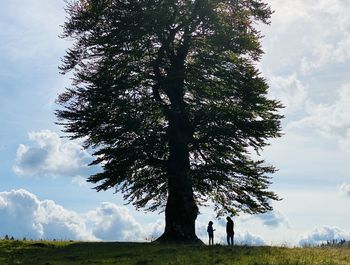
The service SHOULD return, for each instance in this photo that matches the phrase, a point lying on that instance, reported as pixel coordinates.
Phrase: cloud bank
(273, 219)
(330, 120)
(289, 90)
(321, 235)
(24, 215)
(48, 155)
(314, 34)
(306, 62)
(113, 222)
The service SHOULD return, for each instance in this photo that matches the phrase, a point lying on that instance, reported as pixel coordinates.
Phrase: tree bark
(181, 210)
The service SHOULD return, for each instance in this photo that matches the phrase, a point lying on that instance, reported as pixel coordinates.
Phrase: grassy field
(83, 253)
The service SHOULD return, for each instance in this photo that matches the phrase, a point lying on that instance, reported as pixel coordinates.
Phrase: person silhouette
(230, 231)
(210, 231)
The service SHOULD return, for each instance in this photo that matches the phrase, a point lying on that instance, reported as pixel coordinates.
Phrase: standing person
(230, 231)
(210, 231)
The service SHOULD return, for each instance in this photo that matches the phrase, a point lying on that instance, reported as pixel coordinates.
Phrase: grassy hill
(98, 253)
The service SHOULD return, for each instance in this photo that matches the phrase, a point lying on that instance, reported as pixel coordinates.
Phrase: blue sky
(42, 189)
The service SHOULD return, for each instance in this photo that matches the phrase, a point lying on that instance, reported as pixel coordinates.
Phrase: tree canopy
(168, 94)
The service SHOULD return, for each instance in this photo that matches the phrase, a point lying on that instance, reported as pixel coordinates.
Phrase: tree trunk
(181, 210)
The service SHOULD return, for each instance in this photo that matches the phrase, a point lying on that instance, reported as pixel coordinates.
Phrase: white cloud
(58, 222)
(154, 230)
(289, 90)
(113, 222)
(324, 54)
(308, 35)
(17, 211)
(273, 219)
(283, 43)
(49, 155)
(323, 234)
(24, 215)
(330, 38)
(329, 120)
(345, 188)
(249, 239)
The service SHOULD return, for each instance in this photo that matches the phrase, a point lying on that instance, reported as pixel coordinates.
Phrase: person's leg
(228, 239)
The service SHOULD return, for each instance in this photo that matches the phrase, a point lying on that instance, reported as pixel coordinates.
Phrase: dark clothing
(229, 227)
(230, 231)
(230, 240)
(210, 230)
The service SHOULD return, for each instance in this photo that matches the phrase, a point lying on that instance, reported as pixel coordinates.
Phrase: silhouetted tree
(168, 95)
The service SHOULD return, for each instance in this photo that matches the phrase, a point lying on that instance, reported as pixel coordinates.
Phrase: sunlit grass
(103, 253)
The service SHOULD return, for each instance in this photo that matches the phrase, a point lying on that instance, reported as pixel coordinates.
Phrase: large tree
(168, 94)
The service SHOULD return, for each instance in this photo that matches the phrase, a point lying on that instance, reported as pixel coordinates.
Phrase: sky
(43, 192)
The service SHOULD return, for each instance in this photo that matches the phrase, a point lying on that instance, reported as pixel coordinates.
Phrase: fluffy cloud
(323, 234)
(306, 59)
(274, 219)
(48, 155)
(249, 239)
(345, 188)
(112, 222)
(330, 42)
(24, 215)
(289, 90)
(17, 211)
(58, 222)
(316, 32)
(330, 120)
(154, 230)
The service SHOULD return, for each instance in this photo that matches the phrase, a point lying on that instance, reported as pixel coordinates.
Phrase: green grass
(83, 253)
